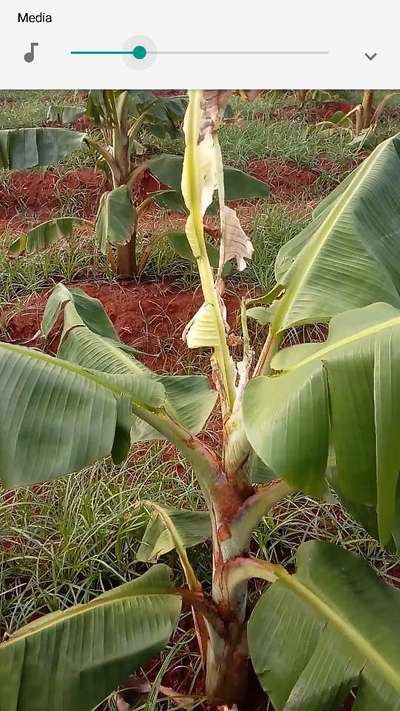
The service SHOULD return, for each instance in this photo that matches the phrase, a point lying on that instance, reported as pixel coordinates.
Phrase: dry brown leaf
(251, 94)
(212, 111)
(182, 700)
(235, 244)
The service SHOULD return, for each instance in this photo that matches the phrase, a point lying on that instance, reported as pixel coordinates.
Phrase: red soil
(327, 165)
(84, 123)
(328, 108)
(149, 316)
(35, 196)
(284, 178)
(31, 197)
(28, 192)
(146, 184)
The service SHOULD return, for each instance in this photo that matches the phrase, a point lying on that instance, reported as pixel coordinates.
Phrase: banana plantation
(200, 400)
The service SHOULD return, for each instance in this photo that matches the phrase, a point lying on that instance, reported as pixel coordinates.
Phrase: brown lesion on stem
(226, 675)
(205, 606)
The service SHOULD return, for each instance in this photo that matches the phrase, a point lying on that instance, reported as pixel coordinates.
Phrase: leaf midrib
(331, 218)
(72, 368)
(73, 613)
(370, 331)
(343, 625)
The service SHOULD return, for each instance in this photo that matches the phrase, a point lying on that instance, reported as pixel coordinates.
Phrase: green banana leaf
(22, 148)
(193, 528)
(90, 310)
(58, 417)
(116, 218)
(74, 658)
(65, 113)
(343, 393)
(349, 256)
(42, 236)
(180, 243)
(164, 115)
(168, 170)
(189, 399)
(331, 627)
(61, 414)
(170, 200)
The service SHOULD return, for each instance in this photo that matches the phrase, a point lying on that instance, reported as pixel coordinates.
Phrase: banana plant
(362, 120)
(120, 119)
(297, 418)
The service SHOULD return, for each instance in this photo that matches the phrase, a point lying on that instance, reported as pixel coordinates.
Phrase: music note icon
(30, 56)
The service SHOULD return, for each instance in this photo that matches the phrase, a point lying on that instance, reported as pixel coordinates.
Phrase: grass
(28, 108)
(270, 230)
(301, 519)
(283, 140)
(25, 109)
(249, 138)
(65, 542)
(21, 276)
(287, 140)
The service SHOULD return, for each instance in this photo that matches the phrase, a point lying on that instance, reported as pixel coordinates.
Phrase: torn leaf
(201, 331)
(235, 244)
(213, 105)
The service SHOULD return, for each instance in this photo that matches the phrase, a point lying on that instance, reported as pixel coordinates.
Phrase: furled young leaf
(202, 176)
(193, 527)
(22, 148)
(116, 218)
(329, 628)
(42, 236)
(74, 658)
(342, 393)
(349, 255)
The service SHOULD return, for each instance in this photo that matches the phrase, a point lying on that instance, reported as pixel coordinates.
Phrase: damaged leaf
(201, 331)
(235, 244)
(213, 105)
